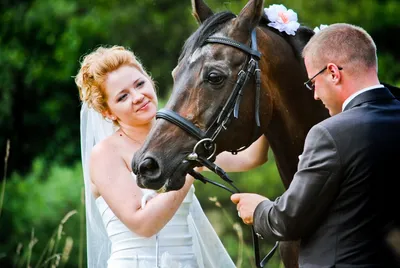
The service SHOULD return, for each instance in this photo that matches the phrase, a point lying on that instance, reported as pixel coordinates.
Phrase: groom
(342, 202)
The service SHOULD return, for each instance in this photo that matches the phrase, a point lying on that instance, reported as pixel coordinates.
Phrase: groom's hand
(246, 205)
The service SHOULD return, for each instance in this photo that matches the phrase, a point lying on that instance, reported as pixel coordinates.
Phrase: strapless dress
(172, 247)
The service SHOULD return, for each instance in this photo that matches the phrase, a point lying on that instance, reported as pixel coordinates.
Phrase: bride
(128, 226)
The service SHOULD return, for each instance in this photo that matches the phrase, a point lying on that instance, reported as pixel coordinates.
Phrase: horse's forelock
(210, 26)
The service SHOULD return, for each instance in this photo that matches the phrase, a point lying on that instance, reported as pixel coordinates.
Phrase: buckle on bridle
(208, 144)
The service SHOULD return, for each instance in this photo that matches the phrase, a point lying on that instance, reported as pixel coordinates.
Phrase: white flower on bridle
(319, 28)
(282, 19)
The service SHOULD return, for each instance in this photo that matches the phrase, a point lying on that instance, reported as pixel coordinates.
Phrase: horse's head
(203, 81)
(213, 106)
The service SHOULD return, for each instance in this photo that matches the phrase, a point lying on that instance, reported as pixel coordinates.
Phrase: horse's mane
(215, 22)
(297, 41)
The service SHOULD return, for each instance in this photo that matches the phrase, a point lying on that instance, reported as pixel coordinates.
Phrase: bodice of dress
(171, 247)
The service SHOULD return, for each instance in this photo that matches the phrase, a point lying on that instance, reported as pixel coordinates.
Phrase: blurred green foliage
(41, 43)
(37, 202)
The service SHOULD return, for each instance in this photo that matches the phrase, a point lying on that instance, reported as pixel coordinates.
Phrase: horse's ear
(250, 15)
(201, 11)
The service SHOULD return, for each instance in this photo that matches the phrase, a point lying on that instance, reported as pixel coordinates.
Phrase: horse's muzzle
(148, 172)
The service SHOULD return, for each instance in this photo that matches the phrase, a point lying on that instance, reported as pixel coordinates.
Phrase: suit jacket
(343, 200)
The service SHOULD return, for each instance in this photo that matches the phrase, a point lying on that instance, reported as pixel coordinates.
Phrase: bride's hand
(189, 179)
(199, 169)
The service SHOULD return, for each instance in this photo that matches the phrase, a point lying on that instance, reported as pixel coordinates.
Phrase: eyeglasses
(310, 84)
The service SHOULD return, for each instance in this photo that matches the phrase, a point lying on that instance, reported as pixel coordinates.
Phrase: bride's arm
(252, 157)
(115, 184)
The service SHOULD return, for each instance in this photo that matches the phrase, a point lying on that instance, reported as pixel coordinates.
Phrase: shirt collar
(355, 94)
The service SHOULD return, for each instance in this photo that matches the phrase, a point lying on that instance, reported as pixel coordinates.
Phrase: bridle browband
(207, 138)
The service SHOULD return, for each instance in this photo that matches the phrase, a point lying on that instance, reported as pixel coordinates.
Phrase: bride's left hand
(199, 169)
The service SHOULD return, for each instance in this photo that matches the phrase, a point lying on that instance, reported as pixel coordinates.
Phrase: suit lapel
(370, 95)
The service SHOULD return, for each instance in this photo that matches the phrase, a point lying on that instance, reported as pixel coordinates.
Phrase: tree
(42, 42)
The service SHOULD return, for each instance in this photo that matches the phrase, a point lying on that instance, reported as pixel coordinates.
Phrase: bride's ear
(108, 115)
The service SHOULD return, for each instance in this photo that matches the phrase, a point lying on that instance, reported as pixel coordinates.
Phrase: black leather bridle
(207, 138)
(233, 102)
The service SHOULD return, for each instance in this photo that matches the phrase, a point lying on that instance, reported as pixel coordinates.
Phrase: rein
(222, 174)
(206, 139)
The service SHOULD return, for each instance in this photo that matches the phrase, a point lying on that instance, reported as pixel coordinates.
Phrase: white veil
(94, 128)
(206, 244)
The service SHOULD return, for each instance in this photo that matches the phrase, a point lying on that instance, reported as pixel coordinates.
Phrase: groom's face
(324, 89)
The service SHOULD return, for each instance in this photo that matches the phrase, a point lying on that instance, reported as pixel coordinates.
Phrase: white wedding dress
(187, 241)
(172, 247)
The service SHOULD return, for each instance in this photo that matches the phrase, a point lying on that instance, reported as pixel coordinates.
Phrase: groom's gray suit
(343, 200)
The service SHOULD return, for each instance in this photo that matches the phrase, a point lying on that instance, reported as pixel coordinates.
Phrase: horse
(282, 108)
(203, 80)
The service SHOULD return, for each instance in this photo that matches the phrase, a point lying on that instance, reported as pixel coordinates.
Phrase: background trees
(41, 43)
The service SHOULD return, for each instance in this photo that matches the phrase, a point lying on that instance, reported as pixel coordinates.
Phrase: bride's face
(131, 97)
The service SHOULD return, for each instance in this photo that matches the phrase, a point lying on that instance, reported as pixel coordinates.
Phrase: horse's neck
(294, 111)
(286, 148)
(287, 130)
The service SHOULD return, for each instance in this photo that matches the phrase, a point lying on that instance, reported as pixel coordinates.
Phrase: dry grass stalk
(52, 246)
(3, 184)
(82, 232)
(239, 231)
(50, 254)
(69, 242)
(55, 257)
(31, 244)
(18, 251)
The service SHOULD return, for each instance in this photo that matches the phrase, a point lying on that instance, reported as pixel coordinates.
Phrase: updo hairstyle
(94, 70)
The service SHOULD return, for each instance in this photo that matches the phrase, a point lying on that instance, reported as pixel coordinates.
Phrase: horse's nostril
(147, 166)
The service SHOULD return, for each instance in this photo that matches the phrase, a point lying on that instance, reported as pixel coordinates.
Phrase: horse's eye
(215, 78)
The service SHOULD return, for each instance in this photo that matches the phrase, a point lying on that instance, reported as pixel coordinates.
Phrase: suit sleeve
(315, 185)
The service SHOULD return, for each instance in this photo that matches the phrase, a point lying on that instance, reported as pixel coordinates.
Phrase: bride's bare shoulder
(112, 147)
(105, 146)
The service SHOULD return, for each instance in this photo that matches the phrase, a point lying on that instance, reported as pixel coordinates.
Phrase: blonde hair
(94, 69)
(343, 44)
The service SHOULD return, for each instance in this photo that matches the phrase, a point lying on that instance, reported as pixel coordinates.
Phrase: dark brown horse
(208, 71)
(203, 82)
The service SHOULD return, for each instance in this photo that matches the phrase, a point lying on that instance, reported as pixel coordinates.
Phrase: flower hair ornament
(319, 28)
(282, 19)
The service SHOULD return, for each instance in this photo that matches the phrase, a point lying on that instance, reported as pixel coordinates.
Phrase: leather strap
(182, 122)
(233, 43)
